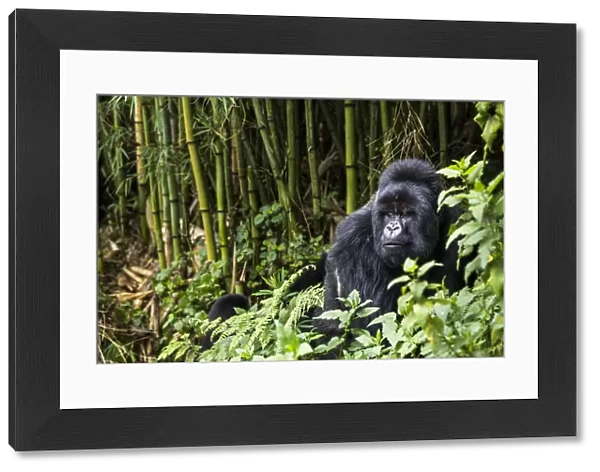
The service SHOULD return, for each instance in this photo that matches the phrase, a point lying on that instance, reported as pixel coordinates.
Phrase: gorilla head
(404, 212)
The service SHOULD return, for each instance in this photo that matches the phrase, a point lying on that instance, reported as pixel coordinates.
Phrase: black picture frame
(36, 420)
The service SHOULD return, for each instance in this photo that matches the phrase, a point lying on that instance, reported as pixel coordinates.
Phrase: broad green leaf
(474, 173)
(331, 315)
(365, 341)
(422, 311)
(373, 351)
(304, 349)
(426, 267)
(406, 349)
(448, 192)
(494, 183)
(417, 288)
(383, 319)
(464, 229)
(450, 173)
(400, 280)
(410, 265)
(442, 309)
(364, 312)
(478, 211)
(464, 298)
(354, 298)
(475, 237)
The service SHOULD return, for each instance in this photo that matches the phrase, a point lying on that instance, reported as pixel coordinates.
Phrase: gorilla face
(405, 222)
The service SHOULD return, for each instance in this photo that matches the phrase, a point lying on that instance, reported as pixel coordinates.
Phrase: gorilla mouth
(394, 244)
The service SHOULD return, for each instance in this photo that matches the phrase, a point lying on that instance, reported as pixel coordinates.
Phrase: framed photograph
(239, 230)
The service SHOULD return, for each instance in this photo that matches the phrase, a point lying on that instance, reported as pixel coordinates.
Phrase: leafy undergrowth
(429, 323)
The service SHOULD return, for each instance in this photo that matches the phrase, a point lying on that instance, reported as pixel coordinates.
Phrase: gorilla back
(400, 221)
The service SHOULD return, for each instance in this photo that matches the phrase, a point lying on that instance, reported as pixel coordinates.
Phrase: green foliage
(186, 304)
(276, 252)
(271, 329)
(490, 117)
(430, 322)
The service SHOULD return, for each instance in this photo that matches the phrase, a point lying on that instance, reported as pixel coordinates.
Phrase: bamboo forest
(238, 199)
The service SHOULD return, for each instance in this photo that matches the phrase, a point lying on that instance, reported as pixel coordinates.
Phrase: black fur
(372, 243)
(311, 276)
(224, 308)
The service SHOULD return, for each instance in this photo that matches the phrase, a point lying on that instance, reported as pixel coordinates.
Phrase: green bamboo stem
(351, 173)
(273, 160)
(363, 164)
(140, 174)
(120, 175)
(443, 129)
(228, 172)
(200, 181)
(312, 161)
(160, 246)
(292, 125)
(241, 155)
(173, 119)
(386, 131)
(271, 119)
(423, 114)
(169, 186)
(260, 193)
(154, 197)
(221, 193)
(372, 147)
(297, 140)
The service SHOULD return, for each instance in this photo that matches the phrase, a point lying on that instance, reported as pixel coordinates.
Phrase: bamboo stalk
(312, 161)
(173, 118)
(120, 175)
(292, 125)
(372, 147)
(241, 155)
(272, 158)
(272, 121)
(154, 192)
(221, 193)
(443, 129)
(363, 164)
(386, 131)
(168, 220)
(200, 180)
(351, 174)
(140, 174)
(260, 194)
(228, 172)
(423, 115)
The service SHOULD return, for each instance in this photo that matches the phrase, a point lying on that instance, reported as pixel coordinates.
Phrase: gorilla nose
(393, 230)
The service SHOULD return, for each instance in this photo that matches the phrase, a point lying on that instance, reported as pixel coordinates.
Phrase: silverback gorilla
(401, 220)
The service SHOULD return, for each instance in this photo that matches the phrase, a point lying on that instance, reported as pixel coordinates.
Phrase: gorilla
(400, 221)
(225, 306)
